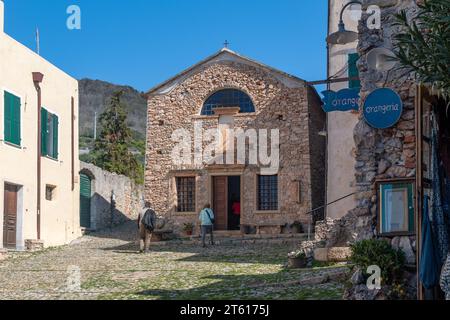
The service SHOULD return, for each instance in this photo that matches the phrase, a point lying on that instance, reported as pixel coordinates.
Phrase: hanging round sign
(383, 108)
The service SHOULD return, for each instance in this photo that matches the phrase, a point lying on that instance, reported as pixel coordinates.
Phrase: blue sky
(144, 42)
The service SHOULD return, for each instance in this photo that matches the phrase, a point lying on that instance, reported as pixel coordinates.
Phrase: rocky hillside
(95, 95)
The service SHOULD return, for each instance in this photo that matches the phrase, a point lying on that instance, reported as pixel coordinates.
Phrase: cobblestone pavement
(110, 268)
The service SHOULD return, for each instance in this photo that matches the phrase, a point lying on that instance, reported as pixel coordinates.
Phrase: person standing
(207, 223)
(146, 226)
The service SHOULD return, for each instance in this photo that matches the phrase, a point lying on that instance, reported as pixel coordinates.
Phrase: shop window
(185, 194)
(12, 119)
(268, 193)
(396, 207)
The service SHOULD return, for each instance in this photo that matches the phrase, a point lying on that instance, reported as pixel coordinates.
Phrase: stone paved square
(111, 268)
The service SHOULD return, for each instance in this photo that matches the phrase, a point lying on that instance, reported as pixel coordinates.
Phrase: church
(238, 135)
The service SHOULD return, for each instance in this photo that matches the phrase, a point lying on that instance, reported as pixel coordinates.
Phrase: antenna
(38, 48)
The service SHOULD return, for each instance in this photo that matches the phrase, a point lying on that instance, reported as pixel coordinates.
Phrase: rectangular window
(50, 192)
(268, 193)
(353, 70)
(396, 207)
(49, 134)
(185, 194)
(12, 119)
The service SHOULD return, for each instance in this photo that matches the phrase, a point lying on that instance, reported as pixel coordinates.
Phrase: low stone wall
(128, 197)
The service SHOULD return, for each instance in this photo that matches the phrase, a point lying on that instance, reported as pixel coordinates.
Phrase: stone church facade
(226, 93)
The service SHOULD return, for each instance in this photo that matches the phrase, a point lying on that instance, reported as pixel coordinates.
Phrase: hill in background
(94, 96)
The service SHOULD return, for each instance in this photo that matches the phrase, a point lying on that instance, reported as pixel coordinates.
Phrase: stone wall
(128, 197)
(380, 154)
(290, 109)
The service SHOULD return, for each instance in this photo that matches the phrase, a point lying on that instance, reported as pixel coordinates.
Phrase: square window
(268, 193)
(50, 192)
(185, 194)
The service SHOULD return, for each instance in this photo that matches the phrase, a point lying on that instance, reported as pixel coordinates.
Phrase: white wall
(59, 218)
(341, 162)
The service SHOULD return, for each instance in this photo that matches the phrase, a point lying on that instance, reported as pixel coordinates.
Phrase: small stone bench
(277, 228)
(161, 235)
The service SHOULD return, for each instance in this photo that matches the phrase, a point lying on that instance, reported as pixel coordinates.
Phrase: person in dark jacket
(146, 226)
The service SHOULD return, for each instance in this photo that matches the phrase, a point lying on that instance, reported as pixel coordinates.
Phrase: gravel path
(107, 266)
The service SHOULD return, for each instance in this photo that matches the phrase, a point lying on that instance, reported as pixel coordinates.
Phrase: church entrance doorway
(227, 202)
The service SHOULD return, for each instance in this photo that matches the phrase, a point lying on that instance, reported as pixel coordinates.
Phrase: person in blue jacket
(207, 223)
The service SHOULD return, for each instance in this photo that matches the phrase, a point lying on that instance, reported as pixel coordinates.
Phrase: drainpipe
(37, 79)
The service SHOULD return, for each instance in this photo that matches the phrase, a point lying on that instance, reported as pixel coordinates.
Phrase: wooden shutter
(8, 117)
(44, 115)
(12, 118)
(85, 201)
(55, 123)
(353, 70)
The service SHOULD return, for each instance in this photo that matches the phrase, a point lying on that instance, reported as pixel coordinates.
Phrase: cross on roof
(226, 44)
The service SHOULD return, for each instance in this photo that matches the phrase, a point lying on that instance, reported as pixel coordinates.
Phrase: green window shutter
(12, 118)
(353, 70)
(44, 115)
(55, 123)
(8, 117)
(15, 123)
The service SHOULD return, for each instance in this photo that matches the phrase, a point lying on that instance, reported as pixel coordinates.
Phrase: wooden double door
(10, 216)
(226, 190)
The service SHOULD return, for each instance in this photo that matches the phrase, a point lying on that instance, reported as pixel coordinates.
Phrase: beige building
(39, 192)
(340, 125)
(226, 93)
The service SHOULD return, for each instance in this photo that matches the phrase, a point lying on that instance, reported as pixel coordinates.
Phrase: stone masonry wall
(277, 106)
(128, 197)
(380, 154)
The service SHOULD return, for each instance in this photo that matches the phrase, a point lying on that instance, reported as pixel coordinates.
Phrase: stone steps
(240, 239)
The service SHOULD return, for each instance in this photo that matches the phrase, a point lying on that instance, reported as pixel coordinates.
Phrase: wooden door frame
(422, 94)
(20, 213)
(237, 173)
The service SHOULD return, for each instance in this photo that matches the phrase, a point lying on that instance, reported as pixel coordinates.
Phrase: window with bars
(185, 194)
(228, 98)
(268, 193)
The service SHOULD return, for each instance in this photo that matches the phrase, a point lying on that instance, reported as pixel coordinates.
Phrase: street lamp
(343, 36)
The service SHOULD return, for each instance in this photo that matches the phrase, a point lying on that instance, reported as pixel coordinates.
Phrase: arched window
(228, 98)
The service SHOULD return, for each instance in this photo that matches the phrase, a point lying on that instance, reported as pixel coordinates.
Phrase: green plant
(111, 150)
(379, 253)
(188, 227)
(423, 44)
(298, 226)
(299, 254)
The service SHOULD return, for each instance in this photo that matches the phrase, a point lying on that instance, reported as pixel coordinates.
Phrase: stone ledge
(34, 245)
(3, 254)
(335, 254)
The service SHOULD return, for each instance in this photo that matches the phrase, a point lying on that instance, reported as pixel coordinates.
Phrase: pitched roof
(225, 54)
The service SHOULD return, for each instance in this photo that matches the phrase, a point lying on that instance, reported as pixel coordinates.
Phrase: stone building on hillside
(236, 107)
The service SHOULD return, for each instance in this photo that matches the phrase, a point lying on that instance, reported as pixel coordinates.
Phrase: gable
(225, 55)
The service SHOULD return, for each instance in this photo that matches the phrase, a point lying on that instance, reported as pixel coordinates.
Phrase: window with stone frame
(228, 98)
(185, 194)
(267, 193)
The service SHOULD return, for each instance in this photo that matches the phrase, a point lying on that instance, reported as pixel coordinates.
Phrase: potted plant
(297, 259)
(188, 228)
(297, 227)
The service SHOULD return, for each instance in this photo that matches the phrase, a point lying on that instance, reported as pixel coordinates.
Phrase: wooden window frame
(411, 219)
(190, 207)
(258, 207)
